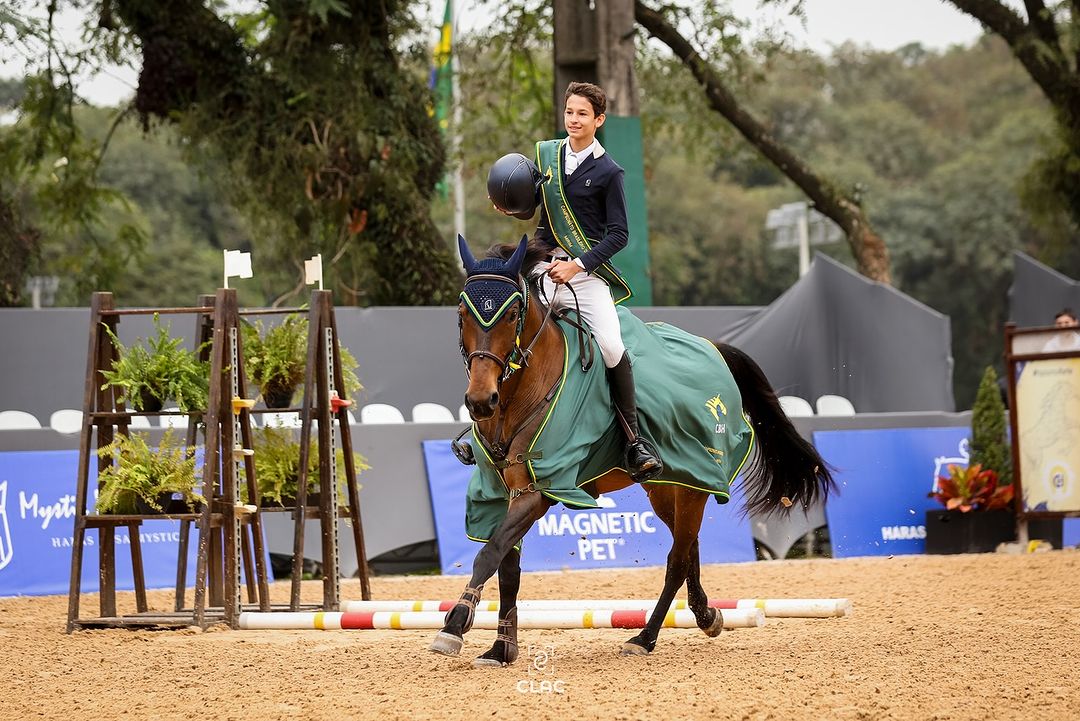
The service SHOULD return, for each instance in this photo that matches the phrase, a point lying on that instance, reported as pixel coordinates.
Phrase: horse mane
(534, 252)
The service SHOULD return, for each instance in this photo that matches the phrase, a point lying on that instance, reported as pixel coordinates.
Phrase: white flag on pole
(313, 270)
(237, 265)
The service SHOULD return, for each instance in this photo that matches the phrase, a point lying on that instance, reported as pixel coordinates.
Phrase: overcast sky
(882, 24)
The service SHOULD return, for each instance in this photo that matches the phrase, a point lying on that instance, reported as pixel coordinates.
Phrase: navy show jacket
(595, 194)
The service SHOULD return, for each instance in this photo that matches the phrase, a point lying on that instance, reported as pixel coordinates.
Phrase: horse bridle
(507, 365)
(518, 357)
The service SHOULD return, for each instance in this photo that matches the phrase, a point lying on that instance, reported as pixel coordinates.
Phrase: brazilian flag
(441, 80)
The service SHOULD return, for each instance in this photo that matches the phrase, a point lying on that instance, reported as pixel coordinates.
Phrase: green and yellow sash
(564, 226)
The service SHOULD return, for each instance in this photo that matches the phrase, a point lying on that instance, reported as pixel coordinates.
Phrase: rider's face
(580, 121)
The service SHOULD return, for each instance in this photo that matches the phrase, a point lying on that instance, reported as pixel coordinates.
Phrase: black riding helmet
(512, 184)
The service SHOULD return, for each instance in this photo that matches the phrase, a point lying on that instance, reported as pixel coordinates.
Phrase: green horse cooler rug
(688, 405)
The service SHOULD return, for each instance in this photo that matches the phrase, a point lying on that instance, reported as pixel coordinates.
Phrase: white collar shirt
(573, 160)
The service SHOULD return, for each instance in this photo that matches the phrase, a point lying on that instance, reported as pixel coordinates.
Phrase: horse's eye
(512, 316)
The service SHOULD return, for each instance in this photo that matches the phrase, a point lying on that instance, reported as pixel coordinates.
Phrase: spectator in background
(1068, 338)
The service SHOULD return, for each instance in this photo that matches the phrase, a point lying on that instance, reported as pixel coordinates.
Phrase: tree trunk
(869, 250)
(19, 246)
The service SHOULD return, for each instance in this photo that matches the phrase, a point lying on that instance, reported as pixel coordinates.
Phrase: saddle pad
(688, 405)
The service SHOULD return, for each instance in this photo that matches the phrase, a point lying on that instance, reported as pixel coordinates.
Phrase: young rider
(583, 224)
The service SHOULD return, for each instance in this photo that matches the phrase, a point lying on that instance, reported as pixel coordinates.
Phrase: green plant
(989, 443)
(971, 488)
(275, 359)
(277, 466)
(141, 472)
(159, 369)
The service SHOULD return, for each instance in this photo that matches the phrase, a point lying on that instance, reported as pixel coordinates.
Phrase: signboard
(623, 532)
(1048, 423)
(37, 520)
(884, 477)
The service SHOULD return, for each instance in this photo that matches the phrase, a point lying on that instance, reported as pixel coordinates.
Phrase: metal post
(803, 227)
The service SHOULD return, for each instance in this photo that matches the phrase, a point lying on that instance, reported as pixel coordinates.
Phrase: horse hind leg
(689, 507)
(505, 649)
(710, 620)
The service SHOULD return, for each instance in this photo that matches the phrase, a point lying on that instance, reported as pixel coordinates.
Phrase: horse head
(491, 317)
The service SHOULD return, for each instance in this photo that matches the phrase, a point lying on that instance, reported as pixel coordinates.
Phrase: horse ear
(514, 264)
(467, 259)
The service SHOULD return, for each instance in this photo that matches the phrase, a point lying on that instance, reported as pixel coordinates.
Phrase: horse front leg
(505, 650)
(522, 513)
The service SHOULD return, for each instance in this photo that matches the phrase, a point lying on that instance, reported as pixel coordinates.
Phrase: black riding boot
(642, 460)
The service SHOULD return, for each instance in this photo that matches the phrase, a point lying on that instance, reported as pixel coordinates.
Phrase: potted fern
(275, 360)
(147, 480)
(277, 468)
(150, 372)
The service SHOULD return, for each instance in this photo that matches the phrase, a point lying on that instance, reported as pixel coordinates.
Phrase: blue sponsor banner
(623, 532)
(37, 521)
(1070, 533)
(884, 477)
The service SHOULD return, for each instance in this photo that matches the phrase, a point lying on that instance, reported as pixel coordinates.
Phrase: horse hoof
(713, 629)
(483, 662)
(632, 649)
(447, 644)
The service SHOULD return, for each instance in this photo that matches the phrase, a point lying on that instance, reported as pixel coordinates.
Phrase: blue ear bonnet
(492, 266)
(489, 298)
(492, 285)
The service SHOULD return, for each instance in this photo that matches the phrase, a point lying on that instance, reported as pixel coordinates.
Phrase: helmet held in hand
(512, 184)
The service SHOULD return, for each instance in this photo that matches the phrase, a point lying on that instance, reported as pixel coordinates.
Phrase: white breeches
(596, 306)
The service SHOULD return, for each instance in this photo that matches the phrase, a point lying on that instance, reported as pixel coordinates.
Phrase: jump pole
(773, 607)
(432, 620)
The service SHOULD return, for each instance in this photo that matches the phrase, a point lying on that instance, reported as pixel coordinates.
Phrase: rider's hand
(561, 271)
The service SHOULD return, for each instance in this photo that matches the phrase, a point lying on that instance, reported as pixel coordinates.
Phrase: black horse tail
(786, 470)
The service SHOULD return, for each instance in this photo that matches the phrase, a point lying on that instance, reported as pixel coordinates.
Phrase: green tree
(842, 205)
(314, 122)
(989, 442)
(1046, 42)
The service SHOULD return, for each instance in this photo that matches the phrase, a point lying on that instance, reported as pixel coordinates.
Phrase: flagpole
(455, 143)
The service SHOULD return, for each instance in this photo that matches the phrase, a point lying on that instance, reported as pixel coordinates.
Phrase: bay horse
(514, 356)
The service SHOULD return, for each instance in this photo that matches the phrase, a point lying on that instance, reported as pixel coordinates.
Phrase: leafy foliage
(304, 113)
(19, 245)
(79, 228)
(969, 488)
(989, 442)
(275, 358)
(161, 369)
(139, 471)
(277, 466)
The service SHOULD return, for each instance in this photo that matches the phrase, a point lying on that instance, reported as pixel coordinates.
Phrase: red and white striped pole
(532, 619)
(772, 607)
